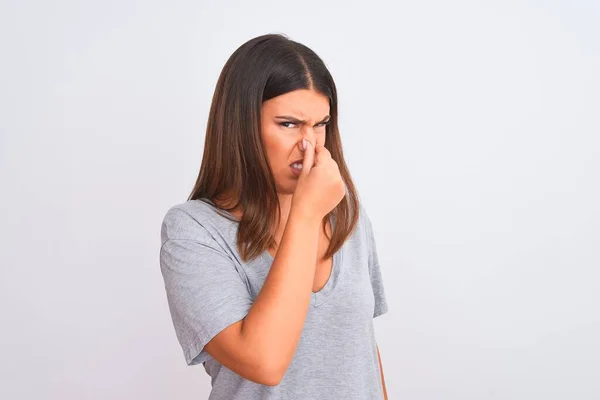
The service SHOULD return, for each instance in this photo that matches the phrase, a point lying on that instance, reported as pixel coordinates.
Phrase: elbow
(271, 379)
(265, 362)
(272, 373)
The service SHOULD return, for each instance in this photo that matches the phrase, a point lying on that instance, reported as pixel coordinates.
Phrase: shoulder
(364, 221)
(363, 216)
(365, 225)
(187, 221)
(361, 232)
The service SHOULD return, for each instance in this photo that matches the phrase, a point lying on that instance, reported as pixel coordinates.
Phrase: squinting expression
(285, 121)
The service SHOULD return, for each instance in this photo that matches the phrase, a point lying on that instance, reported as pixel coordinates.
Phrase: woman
(270, 267)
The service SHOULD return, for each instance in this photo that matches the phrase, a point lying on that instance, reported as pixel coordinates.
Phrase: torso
(338, 329)
(323, 268)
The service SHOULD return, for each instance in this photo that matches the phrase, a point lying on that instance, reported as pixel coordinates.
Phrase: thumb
(309, 157)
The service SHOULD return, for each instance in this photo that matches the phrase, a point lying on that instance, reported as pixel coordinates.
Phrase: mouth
(296, 167)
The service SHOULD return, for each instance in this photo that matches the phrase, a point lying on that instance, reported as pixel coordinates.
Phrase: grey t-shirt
(209, 287)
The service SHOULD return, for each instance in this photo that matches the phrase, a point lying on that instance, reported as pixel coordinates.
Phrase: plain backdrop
(471, 129)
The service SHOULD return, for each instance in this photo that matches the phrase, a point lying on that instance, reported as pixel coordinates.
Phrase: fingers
(309, 157)
(321, 153)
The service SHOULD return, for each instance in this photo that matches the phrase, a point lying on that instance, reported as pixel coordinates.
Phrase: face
(285, 121)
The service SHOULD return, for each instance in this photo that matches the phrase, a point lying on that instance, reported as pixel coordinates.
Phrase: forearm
(382, 378)
(275, 321)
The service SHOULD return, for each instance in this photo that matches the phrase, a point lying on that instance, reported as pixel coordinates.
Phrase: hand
(320, 186)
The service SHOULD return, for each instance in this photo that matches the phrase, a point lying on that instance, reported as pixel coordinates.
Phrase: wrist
(305, 214)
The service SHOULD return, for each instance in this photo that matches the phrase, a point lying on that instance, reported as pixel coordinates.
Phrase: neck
(285, 203)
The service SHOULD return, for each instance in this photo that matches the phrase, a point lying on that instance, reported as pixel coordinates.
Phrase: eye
(286, 122)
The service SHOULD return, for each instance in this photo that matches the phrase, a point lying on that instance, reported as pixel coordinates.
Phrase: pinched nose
(308, 134)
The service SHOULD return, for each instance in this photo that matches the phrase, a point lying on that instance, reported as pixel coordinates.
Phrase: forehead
(303, 104)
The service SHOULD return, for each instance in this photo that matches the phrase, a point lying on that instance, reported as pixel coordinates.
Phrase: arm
(382, 379)
(261, 346)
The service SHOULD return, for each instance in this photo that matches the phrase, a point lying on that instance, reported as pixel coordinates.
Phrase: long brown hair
(234, 160)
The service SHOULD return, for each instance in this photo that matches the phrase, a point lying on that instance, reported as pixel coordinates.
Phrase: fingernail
(303, 144)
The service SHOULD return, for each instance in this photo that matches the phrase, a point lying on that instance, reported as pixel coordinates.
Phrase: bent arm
(262, 345)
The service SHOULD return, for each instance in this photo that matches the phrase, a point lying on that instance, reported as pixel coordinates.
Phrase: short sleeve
(381, 306)
(205, 292)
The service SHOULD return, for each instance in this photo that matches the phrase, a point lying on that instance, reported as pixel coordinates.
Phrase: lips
(296, 171)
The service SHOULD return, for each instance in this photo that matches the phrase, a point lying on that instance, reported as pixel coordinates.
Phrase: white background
(471, 129)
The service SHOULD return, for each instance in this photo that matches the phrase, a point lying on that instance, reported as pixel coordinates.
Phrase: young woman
(270, 266)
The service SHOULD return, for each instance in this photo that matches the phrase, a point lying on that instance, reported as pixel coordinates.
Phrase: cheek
(278, 148)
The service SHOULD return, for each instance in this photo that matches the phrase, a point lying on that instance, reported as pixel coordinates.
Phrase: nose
(309, 134)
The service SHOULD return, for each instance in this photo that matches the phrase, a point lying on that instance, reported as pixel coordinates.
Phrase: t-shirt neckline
(318, 298)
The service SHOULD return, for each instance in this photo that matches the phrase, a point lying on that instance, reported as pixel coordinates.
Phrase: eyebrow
(298, 121)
